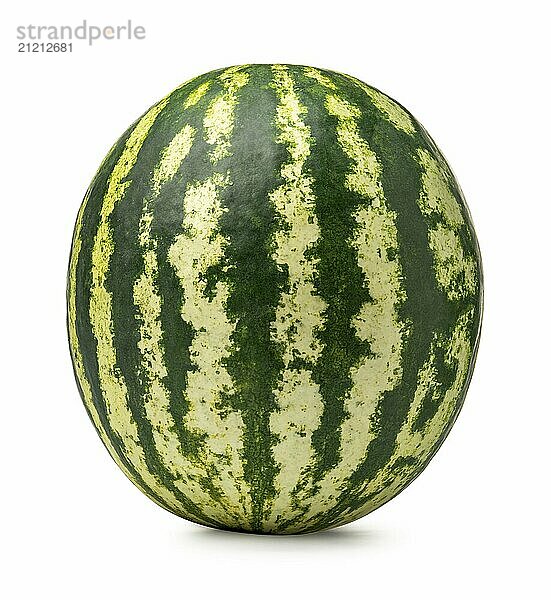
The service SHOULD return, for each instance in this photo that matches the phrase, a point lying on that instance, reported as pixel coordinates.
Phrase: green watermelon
(274, 299)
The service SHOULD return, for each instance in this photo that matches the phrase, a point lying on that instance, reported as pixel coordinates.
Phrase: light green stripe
(199, 247)
(220, 116)
(391, 110)
(197, 94)
(173, 156)
(300, 405)
(456, 272)
(318, 76)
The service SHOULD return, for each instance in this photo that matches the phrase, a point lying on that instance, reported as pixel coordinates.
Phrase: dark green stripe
(340, 281)
(254, 280)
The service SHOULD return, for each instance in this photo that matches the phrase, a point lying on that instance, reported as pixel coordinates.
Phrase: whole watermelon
(274, 299)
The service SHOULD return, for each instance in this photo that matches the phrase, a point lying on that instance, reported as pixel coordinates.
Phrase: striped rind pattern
(274, 299)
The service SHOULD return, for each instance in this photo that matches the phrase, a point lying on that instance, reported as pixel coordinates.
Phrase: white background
(476, 523)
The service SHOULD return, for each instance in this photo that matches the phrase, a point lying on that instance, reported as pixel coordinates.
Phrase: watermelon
(274, 299)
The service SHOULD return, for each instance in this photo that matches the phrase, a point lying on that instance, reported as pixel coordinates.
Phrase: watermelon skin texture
(274, 299)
